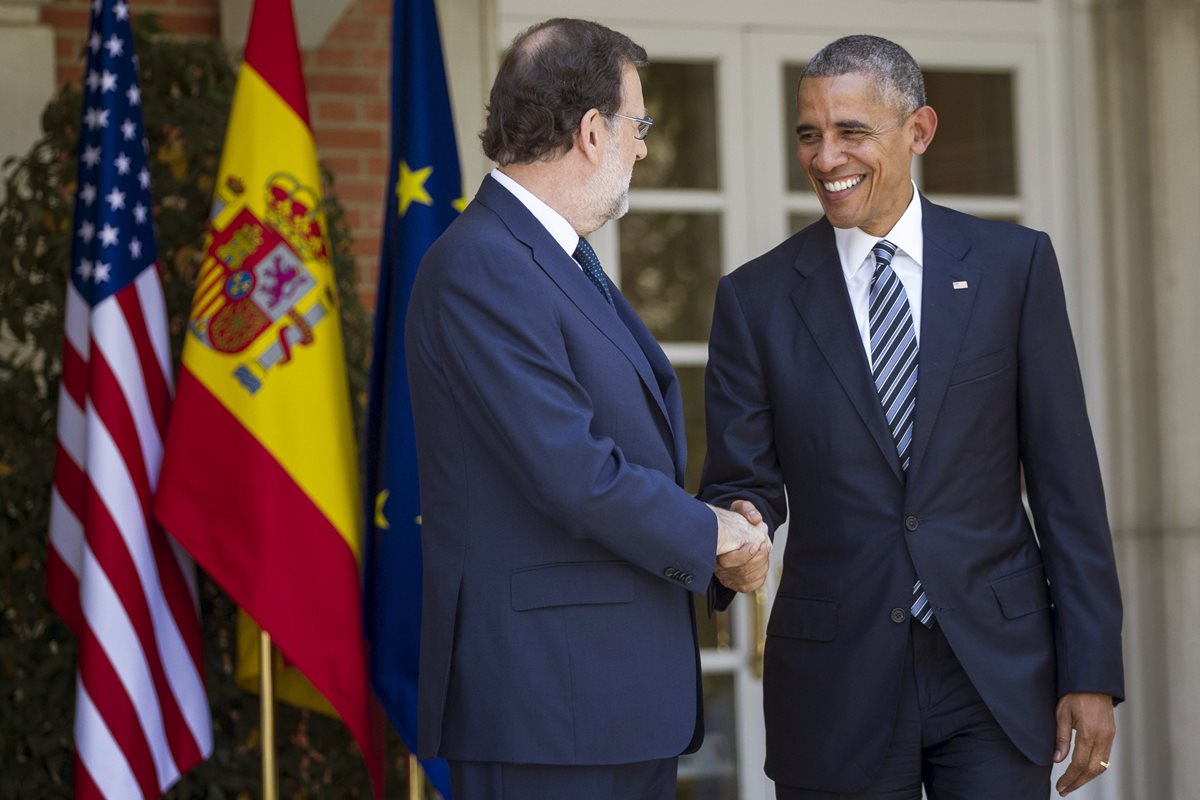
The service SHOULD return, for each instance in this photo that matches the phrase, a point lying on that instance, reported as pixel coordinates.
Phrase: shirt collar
(554, 223)
(854, 244)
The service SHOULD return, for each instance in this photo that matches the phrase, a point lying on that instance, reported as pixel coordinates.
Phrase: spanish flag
(260, 475)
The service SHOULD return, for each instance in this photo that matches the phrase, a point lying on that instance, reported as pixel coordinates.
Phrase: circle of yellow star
(381, 521)
(410, 187)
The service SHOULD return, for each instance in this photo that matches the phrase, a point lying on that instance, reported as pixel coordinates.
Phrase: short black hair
(551, 75)
(894, 70)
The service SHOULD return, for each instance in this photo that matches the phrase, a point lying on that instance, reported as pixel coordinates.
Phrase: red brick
(191, 24)
(344, 57)
(64, 76)
(348, 138)
(358, 30)
(61, 18)
(343, 166)
(336, 111)
(368, 270)
(377, 165)
(68, 47)
(365, 246)
(374, 8)
(366, 298)
(375, 57)
(342, 84)
(376, 112)
(372, 218)
(363, 190)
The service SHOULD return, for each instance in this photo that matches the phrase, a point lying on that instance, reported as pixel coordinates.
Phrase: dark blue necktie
(586, 257)
(894, 358)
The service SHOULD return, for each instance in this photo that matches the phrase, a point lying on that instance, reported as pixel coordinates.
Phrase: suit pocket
(575, 584)
(811, 618)
(984, 366)
(1022, 593)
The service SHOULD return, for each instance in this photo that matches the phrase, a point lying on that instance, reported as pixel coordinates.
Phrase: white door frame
(748, 41)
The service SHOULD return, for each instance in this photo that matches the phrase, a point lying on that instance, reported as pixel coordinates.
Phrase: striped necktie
(894, 360)
(587, 259)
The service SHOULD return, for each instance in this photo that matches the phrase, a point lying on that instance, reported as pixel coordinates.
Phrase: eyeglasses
(643, 124)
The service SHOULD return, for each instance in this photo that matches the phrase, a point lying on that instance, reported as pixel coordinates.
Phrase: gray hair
(894, 71)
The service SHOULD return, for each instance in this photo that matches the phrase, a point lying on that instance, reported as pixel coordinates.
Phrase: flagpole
(266, 697)
(416, 788)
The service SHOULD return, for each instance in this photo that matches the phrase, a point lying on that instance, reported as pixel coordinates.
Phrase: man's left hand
(1091, 716)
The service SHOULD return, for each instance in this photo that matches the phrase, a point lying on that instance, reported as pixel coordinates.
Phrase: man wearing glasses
(561, 553)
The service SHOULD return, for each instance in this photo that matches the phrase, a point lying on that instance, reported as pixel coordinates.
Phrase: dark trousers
(490, 780)
(945, 739)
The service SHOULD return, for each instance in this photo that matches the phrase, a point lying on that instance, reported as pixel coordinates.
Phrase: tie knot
(586, 257)
(883, 252)
(584, 253)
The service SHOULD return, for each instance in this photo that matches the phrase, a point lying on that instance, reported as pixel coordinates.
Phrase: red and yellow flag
(260, 476)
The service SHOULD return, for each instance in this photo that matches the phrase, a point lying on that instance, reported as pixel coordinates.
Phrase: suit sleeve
(497, 339)
(1062, 477)
(741, 463)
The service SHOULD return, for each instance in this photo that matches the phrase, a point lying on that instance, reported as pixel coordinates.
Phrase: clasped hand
(743, 547)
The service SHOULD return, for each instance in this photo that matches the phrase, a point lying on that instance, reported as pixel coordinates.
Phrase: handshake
(743, 548)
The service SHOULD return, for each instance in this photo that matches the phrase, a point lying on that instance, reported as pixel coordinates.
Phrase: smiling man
(889, 375)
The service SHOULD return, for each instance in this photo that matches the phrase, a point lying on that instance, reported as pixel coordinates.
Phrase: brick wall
(69, 19)
(347, 79)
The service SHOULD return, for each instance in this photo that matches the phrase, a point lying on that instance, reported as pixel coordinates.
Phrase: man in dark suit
(558, 650)
(889, 374)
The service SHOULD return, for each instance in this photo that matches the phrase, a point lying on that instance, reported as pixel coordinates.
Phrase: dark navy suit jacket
(560, 551)
(791, 403)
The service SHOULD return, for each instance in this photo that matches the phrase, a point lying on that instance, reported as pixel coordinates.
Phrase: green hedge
(187, 87)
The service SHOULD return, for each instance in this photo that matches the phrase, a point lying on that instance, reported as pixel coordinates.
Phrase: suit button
(898, 615)
(688, 578)
(911, 522)
(671, 573)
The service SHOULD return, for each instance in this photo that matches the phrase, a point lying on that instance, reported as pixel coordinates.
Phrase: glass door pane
(975, 148)
(682, 152)
(682, 232)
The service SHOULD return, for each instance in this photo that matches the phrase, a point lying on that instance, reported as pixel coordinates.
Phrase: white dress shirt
(554, 223)
(858, 266)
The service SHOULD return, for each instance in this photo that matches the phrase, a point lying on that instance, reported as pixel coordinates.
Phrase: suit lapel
(824, 304)
(945, 312)
(565, 272)
(666, 391)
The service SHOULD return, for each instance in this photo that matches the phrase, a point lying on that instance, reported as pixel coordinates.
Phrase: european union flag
(424, 196)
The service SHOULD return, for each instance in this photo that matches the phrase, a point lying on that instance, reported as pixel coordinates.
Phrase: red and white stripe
(122, 584)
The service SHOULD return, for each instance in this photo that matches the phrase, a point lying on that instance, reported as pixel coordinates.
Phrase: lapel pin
(959, 284)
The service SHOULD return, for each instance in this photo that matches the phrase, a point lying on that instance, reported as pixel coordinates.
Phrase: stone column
(1172, 142)
(1141, 123)
(472, 55)
(27, 64)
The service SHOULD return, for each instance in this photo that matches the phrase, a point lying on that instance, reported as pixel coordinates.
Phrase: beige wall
(468, 35)
(27, 64)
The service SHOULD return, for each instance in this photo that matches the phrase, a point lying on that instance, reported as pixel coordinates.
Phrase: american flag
(122, 585)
